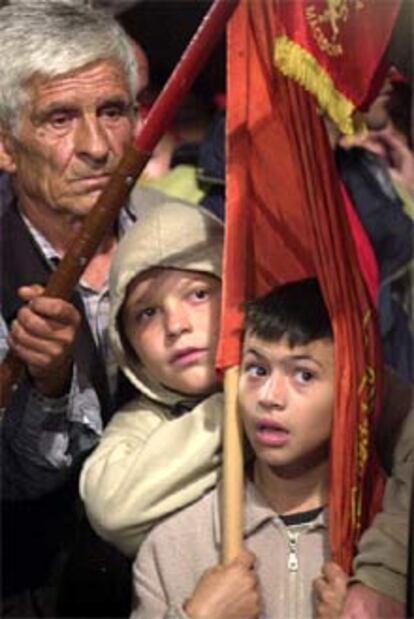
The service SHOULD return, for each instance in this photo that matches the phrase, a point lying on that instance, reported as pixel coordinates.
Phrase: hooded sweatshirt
(152, 459)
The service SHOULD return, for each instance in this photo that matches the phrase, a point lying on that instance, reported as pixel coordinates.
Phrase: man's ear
(7, 161)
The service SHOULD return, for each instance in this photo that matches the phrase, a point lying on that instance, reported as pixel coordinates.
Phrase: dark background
(164, 28)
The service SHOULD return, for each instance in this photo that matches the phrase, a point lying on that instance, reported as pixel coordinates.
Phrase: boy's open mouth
(272, 434)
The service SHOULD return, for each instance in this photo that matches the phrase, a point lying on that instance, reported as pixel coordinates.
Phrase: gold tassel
(295, 62)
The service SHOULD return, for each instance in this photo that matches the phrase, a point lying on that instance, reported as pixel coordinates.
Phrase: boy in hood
(161, 451)
(286, 397)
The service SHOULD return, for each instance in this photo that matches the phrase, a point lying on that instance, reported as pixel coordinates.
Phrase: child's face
(286, 398)
(171, 319)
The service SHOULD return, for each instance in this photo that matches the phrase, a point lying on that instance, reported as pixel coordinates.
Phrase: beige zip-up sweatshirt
(177, 552)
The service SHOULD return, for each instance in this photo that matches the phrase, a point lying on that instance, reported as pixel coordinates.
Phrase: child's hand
(227, 592)
(330, 589)
(365, 603)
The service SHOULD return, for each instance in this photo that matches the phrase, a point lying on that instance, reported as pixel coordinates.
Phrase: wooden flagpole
(232, 499)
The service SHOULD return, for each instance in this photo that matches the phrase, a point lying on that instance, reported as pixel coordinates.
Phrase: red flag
(334, 49)
(285, 220)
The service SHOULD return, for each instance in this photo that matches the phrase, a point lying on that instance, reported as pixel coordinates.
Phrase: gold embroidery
(325, 25)
(356, 507)
(366, 393)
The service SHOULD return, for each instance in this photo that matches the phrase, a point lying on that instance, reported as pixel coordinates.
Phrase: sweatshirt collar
(257, 512)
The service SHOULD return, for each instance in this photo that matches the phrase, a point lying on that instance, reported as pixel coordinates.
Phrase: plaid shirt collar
(46, 248)
(126, 217)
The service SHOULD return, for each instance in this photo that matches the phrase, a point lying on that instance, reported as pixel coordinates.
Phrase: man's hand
(42, 336)
(389, 146)
(400, 160)
(365, 603)
(227, 592)
(330, 589)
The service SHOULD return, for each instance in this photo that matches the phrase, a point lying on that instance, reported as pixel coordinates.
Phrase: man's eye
(61, 120)
(113, 112)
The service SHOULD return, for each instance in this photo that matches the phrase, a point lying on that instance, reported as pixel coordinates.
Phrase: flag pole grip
(232, 503)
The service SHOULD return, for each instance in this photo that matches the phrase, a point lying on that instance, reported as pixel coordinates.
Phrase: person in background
(377, 168)
(380, 586)
(173, 167)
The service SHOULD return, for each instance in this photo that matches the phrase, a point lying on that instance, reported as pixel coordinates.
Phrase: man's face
(171, 319)
(70, 137)
(286, 396)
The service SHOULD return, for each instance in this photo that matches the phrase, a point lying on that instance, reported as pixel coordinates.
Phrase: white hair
(114, 6)
(49, 39)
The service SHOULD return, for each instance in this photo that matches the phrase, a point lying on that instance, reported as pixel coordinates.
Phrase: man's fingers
(56, 309)
(43, 343)
(48, 328)
(30, 292)
(47, 317)
(392, 139)
(34, 359)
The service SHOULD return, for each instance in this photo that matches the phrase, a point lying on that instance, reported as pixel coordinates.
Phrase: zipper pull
(293, 563)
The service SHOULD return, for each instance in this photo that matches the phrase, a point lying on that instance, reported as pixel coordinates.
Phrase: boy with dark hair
(286, 396)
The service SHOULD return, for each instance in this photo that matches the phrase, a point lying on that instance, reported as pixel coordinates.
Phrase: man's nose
(273, 393)
(176, 320)
(91, 140)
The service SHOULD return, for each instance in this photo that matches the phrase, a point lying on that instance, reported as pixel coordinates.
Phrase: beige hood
(172, 235)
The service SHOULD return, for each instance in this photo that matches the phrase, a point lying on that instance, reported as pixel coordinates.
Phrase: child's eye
(200, 294)
(146, 313)
(304, 375)
(255, 369)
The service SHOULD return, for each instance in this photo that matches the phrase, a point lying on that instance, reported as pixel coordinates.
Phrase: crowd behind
(111, 441)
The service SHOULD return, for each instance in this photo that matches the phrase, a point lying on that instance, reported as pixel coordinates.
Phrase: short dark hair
(295, 311)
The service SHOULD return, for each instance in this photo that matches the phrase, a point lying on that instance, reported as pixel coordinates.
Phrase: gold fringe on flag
(295, 62)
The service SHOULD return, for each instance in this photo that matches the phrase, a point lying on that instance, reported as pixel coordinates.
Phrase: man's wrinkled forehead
(93, 85)
(95, 77)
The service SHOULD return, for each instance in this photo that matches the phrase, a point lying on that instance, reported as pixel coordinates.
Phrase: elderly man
(68, 83)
